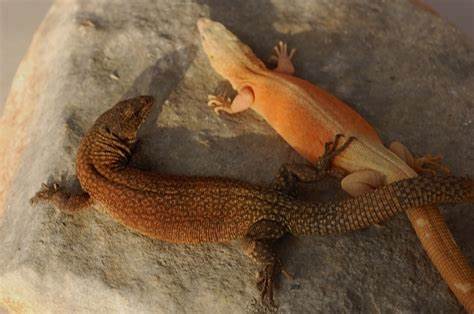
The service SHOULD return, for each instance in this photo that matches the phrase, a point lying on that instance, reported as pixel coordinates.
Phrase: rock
(407, 71)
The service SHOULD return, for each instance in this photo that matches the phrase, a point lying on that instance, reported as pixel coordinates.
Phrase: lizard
(307, 116)
(187, 209)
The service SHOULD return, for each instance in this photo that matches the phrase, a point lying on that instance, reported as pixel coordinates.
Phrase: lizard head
(216, 39)
(226, 53)
(125, 118)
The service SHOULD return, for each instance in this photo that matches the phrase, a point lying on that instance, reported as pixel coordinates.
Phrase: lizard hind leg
(425, 164)
(363, 181)
(259, 245)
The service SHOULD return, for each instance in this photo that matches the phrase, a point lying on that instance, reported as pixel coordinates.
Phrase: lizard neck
(241, 77)
(108, 150)
(100, 156)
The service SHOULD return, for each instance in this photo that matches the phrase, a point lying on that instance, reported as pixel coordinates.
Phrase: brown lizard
(183, 209)
(307, 116)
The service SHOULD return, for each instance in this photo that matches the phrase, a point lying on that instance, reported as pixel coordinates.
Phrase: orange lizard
(306, 116)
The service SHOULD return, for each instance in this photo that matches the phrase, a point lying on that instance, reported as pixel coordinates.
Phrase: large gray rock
(407, 71)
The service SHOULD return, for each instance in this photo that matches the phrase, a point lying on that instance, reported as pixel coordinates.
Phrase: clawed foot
(283, 58)
(331, 150)
(220, 102)
(63, 201)
(286, 180)
(47, 193)
(430, 164)
(266, 282)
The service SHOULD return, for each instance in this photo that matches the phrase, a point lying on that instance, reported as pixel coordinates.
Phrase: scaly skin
(307, 117)
(183, 209)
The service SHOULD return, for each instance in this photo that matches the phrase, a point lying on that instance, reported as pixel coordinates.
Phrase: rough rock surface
(407, 71)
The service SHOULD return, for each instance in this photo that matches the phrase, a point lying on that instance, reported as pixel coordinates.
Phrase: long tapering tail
(379, 205)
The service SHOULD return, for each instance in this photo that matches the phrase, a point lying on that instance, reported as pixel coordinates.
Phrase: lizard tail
(379, 205)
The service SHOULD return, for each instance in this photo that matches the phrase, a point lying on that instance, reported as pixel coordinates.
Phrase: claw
(220, 102)
(337, 137)
(217, 110)
(346, 144)
(46, 193)
(331, 146)
(266, 282)
(292, 53)
(277, 52)
(281, 51)
(287, 274)
(327, 147)
(430, 164)
(331, 150)
(265, 285)
(335, 149)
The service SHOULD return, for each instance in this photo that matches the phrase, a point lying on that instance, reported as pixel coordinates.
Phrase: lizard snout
(202, 23)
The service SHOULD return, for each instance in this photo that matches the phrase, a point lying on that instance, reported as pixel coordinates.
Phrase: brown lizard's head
(125, 118)
(226, 53)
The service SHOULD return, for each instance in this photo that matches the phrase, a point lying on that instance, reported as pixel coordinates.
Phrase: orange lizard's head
(125, 118)
(227, 54)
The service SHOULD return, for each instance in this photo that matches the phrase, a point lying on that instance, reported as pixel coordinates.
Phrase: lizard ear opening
(107, 131)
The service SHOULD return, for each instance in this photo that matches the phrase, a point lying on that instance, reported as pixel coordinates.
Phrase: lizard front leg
(259, 245)
(241, 102)
(245, 96)
(283, 58)
(62, 200)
